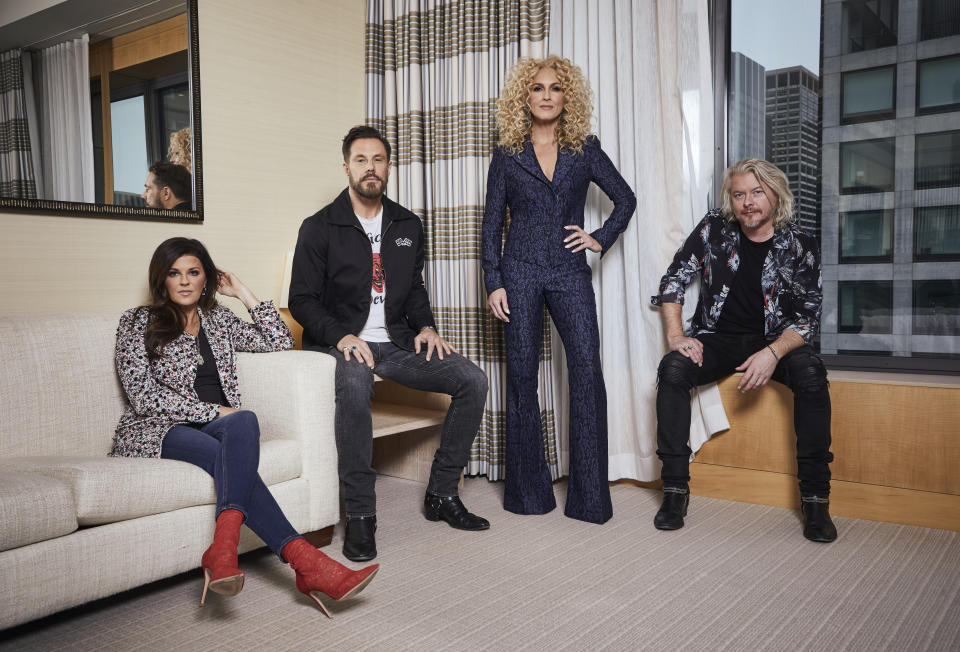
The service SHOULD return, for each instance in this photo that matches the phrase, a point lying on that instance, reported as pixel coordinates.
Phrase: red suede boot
(317, 573)
(220, 572)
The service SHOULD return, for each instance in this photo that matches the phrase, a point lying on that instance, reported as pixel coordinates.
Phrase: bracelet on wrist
(776, 357)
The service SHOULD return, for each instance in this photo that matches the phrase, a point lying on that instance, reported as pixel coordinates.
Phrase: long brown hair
(167, 321)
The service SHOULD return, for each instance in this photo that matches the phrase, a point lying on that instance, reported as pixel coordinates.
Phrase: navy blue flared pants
(569, 298)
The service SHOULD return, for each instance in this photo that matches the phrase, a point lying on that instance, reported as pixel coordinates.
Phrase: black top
(207, 383)
(742, 312)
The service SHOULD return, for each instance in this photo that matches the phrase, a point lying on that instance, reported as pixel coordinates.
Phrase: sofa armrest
(292, 394)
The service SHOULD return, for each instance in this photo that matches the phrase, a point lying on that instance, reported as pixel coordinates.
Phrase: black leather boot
(451, 510)
(817, 525)
(359, 543)
(673, 509)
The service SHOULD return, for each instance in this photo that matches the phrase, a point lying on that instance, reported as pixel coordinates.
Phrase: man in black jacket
(357, 290)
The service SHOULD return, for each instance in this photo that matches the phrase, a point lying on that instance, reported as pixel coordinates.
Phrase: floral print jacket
(161, 394)
(791, 283)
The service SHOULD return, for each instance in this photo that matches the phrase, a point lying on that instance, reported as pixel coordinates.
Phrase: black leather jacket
(333, 272)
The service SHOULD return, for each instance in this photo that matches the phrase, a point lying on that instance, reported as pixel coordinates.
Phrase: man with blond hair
(759, 308)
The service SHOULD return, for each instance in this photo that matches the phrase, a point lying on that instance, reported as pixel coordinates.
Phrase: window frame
(916, 160)
(931, 258)
(864, 190)
(860, 260)
(869, 116)
(944, 108)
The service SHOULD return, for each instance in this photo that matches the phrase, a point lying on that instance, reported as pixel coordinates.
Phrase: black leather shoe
(451, 510)
(817, 525)
(359, 543)
(672, 511)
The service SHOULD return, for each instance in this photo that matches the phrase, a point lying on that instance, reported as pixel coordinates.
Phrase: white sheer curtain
(65, 127)
(648, 63)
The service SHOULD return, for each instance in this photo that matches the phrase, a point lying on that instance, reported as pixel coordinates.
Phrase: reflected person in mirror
(179, 151)
(177, 364)
(168, 186)
(357, 289)
(759, 308)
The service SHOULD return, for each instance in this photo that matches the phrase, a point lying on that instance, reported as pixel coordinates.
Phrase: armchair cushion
(33, 508)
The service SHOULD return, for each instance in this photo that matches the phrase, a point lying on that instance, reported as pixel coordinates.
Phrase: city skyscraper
(792, 135)
(891, 179)
(746, 125)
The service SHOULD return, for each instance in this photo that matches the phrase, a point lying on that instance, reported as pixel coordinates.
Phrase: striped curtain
(16, 163)
(434, 69)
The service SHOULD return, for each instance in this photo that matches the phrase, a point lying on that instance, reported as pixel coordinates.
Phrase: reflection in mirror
(96, 93)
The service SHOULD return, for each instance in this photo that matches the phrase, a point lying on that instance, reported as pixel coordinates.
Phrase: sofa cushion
(108, 489)
(34, 507)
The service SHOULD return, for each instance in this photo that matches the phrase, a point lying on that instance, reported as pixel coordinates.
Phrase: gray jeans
(464, 381)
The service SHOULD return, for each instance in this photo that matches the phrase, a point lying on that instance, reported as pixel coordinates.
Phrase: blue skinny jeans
(228, 448)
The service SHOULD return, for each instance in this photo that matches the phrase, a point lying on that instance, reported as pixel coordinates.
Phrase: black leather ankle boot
(817, 524)
(673, 509)
(451, 510)
(359, 543)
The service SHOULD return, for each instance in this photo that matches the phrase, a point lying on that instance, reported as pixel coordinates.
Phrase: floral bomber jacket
(791, 278)
(160, 393)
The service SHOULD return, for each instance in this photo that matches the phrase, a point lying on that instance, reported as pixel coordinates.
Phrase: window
(936, 307)
(866, 306)
(939, 18)
(936, 233)
(840, 119)
(869, 24)
(866, 237)
(129, 135)
(938, 85)
(938, 160)
(866, 166)
(868, 94)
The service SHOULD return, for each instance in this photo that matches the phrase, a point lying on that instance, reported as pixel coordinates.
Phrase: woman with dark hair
(175, 359)
(545, 161)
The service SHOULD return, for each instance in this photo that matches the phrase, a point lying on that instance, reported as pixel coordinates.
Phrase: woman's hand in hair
(230, 286)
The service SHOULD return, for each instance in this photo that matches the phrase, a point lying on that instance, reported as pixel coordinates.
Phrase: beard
(369, 190)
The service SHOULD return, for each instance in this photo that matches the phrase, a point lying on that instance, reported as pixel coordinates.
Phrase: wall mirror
(95, 92)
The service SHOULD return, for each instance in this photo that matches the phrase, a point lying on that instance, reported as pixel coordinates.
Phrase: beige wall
(282, 82)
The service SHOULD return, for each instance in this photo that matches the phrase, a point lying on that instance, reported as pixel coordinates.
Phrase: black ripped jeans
(801, 370)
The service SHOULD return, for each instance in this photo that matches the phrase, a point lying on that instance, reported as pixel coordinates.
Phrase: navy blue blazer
(539, 209)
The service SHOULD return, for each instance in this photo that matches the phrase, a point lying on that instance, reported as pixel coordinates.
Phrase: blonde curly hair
(514, 120)
(179, 150)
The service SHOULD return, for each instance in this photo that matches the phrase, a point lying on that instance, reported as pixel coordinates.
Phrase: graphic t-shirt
(375, 329)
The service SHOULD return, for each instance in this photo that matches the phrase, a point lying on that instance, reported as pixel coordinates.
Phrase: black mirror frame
(81, 209)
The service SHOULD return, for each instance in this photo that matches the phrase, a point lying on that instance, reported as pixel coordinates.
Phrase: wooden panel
(883, 434)
(295, 329)
(855, 500)
(407, 455)
(389, 419)
(151, 42)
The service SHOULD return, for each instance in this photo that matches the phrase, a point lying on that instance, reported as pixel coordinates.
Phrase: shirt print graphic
(378, 278)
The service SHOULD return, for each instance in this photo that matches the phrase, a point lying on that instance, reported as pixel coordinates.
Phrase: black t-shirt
(742, 312)
(207, 383)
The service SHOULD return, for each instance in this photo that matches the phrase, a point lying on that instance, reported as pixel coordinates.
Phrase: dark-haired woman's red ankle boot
(220, 572)
(317, 573)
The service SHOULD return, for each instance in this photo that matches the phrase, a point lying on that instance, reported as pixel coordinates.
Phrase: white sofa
(77, 525)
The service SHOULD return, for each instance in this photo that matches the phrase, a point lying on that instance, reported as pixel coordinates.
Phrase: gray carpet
(738, 577)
